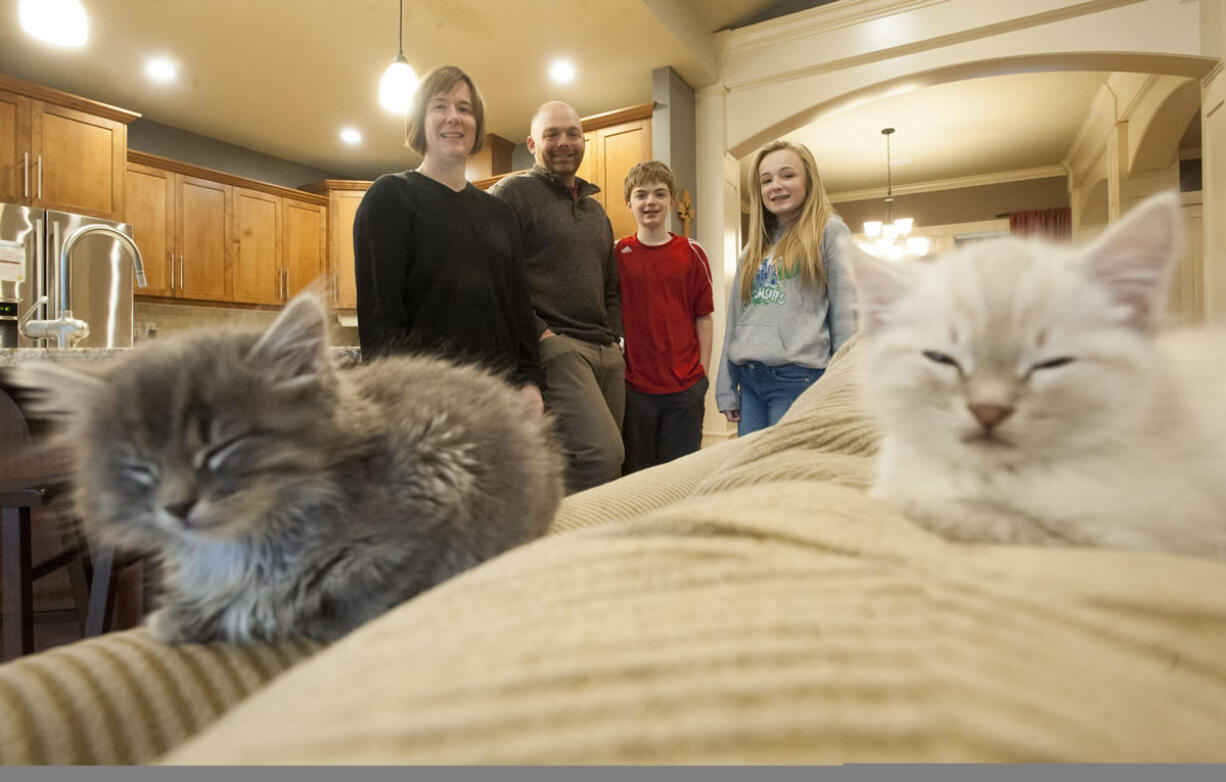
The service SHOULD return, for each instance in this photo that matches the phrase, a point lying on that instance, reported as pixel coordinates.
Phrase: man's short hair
(650, 171)
(439, 81)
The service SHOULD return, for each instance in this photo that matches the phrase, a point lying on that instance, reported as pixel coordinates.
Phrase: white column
(1213, 169)
(717, 227)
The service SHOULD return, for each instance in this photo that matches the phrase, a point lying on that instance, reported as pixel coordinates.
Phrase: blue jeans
(767, 392)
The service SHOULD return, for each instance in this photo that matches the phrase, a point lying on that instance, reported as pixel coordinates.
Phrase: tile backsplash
(155, 320)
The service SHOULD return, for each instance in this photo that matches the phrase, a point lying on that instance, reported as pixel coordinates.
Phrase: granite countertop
(344, 356)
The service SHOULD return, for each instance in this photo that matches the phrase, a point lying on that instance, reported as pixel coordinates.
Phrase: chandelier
(890, 238)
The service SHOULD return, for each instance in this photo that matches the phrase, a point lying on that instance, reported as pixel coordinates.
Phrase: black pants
(660, 427)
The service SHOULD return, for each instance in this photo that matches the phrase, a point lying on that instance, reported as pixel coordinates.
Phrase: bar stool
(30, 480)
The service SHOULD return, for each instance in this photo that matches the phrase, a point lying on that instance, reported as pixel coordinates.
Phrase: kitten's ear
(295, 346)
(1133, 258)
(46, 389)
(878, 283)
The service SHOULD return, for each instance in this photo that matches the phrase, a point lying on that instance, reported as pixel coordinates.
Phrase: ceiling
(283, 76)
(949, 131)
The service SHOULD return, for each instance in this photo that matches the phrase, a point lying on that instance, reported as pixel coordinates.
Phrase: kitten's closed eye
(941, 358)
(1052, 363)
(215, 458)
(141, 474)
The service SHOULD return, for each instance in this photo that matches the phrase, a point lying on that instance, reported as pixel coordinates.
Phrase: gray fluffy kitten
(289, 498)
(1027, 395)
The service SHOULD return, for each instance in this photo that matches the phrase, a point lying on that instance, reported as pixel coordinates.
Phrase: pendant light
(398, 82)
(889, 237)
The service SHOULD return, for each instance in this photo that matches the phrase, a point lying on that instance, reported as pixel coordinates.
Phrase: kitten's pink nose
(990, 415)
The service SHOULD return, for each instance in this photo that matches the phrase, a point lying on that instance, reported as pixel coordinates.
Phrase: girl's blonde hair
(801, 246)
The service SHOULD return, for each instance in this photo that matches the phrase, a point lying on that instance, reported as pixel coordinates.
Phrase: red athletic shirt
(665, 288)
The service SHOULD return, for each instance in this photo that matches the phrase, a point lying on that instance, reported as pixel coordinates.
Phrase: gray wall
(964, 205)
(158, 139)
(674, 133)
(521, 158)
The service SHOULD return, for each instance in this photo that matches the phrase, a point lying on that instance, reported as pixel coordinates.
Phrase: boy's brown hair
(650, 171)
(439, 81)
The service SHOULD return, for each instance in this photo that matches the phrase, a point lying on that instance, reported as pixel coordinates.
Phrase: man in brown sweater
(572, 275)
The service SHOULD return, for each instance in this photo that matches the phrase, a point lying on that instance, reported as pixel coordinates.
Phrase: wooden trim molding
(324, 185)
(1213, 73)
(167, 164)
(39, 92)
(821, 19)
(618, 116)
(976, 180)
(488, 182)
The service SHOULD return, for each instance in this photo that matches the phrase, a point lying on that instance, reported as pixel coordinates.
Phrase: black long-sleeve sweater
(568, 255)
(442, 271)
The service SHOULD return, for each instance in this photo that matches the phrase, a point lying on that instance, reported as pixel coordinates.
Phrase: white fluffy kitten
(1026, 397)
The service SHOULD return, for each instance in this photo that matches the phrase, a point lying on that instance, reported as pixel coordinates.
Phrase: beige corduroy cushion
(770, 612)
(124, 698)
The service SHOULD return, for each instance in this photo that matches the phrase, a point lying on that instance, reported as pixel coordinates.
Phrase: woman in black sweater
(438, 262)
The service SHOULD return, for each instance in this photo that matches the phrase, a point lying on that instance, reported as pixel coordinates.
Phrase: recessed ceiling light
(161, 70)
(58, 22)
(562, 71)
(351, 135)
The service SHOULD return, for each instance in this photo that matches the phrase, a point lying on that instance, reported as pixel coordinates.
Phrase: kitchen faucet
(66, 329)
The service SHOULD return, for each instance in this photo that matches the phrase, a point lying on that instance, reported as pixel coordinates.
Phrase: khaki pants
(585, 389)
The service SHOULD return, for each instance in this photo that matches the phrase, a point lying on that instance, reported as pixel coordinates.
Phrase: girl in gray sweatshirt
(791, 304)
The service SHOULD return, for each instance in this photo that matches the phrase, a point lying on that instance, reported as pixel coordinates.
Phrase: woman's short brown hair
(439, 81)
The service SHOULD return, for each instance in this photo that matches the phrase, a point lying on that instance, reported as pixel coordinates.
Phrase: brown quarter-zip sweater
(568, 255)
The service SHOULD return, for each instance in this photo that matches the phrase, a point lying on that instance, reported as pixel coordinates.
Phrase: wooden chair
(30, 480)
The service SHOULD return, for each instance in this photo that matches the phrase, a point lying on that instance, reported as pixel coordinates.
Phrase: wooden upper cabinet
(202, 211)
(224, 238)
(256, 274)
(619, 148)
(14, 146)
(149, 205)
(344, 196)
(304, 242)
(344, 275)
(60, 151)
(78, 159)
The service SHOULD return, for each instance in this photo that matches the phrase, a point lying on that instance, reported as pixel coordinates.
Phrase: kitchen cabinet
(343, 199)
(180, 224)
(201, 210)
(14, 147)
(256, 274)
(61, 151)
(211, 236)
(304, 242)
(278, 247)
(149, 204)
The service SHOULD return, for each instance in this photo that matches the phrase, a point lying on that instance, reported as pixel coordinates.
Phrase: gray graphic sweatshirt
(785, 322)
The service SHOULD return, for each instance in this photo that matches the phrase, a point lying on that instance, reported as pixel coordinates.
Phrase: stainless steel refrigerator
(101, 282)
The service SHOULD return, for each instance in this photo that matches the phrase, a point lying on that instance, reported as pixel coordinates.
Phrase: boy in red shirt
(666, 318)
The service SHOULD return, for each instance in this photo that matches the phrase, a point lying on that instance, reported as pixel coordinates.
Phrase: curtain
(1049, 223)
